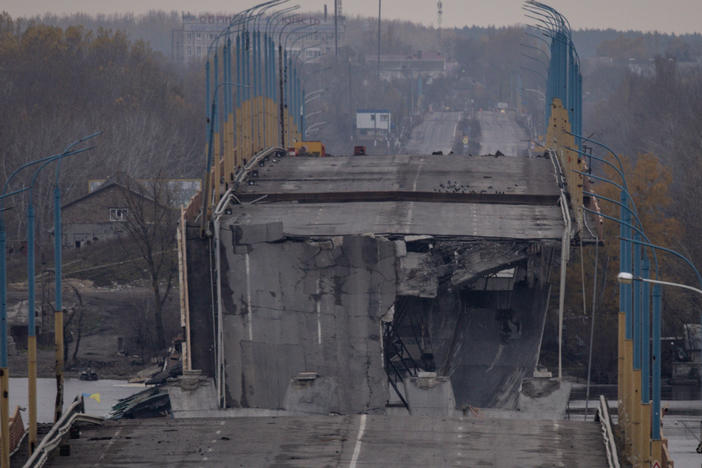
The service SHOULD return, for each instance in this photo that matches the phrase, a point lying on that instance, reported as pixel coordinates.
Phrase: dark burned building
(370, 272)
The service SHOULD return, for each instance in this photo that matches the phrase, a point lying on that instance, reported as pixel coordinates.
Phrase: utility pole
(380, 2)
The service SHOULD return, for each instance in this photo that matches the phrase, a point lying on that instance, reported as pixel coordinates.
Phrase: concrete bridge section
(437, 132)
(368, 272)
(500, 131)
(337, 441)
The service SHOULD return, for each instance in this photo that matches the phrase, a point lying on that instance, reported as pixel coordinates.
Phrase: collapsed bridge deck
(371, 270)
(494, 197)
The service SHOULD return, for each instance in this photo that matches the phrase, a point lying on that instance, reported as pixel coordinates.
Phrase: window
(384, 117)
(118, 214)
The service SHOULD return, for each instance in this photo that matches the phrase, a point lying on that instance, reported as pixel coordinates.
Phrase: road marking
(248, 296)
(557, 437)
(357, 448)
(107, 449)
(497, 358)
(416, 177)
(319, 312)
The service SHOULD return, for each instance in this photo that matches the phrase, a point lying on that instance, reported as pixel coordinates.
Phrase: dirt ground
(115, 329)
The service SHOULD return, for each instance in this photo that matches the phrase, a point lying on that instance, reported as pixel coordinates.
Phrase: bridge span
(373, 272)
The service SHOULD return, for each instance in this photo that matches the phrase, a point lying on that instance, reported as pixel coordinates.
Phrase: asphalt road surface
(436, 133)
(501, 132)
(342, 441)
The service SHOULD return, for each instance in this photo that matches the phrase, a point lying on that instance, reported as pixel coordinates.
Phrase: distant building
(424, 64)
(101, 214)
(371, 123)
(192, 39)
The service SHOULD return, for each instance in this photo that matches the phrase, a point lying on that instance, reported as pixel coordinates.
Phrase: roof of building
(108, 184)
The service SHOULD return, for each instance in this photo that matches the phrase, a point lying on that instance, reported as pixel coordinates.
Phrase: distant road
(436, 133)
(501, 132)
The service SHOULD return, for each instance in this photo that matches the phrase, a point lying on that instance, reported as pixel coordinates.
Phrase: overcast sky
(678, 16)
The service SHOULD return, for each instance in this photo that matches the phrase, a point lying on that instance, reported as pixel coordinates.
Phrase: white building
(192, 40)
(372, 122)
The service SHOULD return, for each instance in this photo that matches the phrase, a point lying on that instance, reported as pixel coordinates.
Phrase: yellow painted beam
(58, 340)
(559, 139)
(645, 435)
(628, 390)
(620, 363)
(32, 391)
(636, 449)
(5, 414)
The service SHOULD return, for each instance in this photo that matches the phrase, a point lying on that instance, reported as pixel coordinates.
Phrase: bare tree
(150, 225)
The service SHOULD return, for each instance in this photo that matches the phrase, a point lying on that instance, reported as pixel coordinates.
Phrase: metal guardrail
(607, 434)
(52, 440)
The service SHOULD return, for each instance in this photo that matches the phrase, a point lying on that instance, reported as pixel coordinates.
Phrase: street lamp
(58, 310)
(628, 278)
(4, 372)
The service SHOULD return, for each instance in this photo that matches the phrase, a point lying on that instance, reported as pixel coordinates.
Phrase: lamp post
(4, 371)
(31, 316)
(627, 278)
(58, 309)
(634, 363)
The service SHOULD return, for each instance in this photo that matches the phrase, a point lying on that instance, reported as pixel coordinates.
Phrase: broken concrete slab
(283, 313)
(485, 258)
(430, 395)
(256, 233)
(318, 395)
(416, 275)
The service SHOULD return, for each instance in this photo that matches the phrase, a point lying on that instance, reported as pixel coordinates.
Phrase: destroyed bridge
(376, 278)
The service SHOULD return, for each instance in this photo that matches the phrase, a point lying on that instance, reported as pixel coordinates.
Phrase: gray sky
(678, 16)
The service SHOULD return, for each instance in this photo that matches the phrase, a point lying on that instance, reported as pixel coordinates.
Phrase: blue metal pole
(228, 75)
(295, 103)
(31, 329)
(637, 305)
(238, 70)
(215, 120)
(207, 95)
(645, 334)
(255, 83)
(625, 255)
(302, 117)
(58, 320)
(656, 325)
(569, 86)
(3, 296)
(247, 64)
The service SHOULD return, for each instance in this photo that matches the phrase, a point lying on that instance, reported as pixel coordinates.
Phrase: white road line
(416, 176)
(107, 449)
(319, 312)
(357, 448)
(497, 358)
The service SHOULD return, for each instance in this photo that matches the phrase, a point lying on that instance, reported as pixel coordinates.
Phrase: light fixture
(625, 277)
